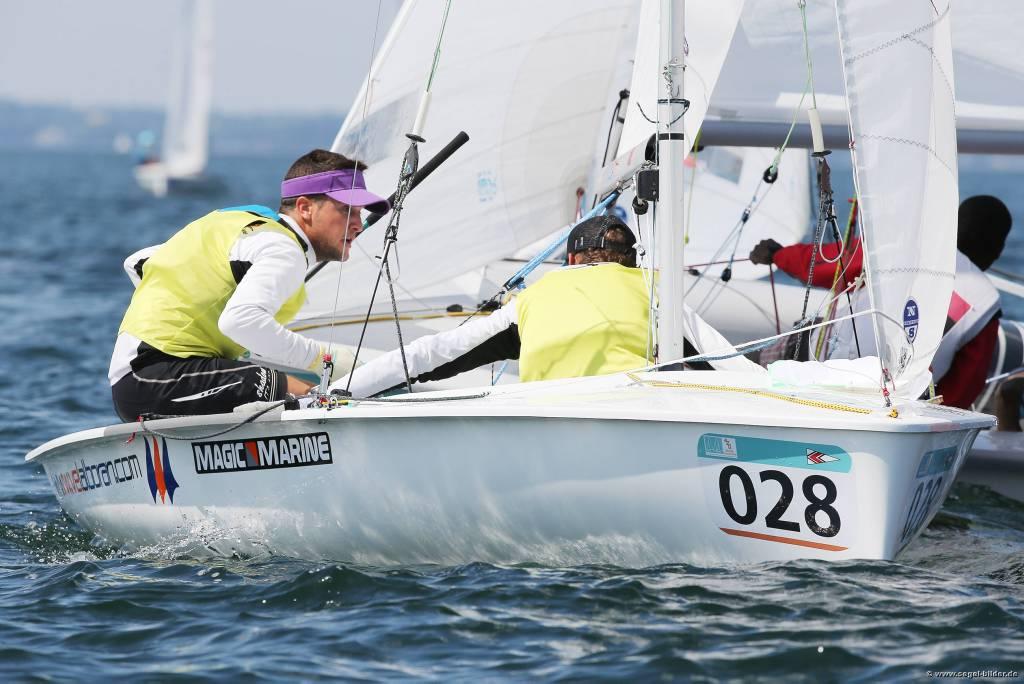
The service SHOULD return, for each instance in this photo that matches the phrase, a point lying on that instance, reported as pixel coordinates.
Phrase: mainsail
(528, 81)
(765, 75)
(905, 162)
(186, 130)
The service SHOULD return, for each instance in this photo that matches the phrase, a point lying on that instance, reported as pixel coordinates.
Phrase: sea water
(74, 609)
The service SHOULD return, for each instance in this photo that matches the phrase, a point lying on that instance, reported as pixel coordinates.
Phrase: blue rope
(519, 276)
(501, 371)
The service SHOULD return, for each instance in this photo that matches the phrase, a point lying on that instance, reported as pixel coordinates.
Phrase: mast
(672, 150)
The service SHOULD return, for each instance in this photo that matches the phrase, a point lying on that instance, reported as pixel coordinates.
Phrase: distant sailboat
(184, 152)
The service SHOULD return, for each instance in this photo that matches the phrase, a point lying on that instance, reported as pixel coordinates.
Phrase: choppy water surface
(72, 609)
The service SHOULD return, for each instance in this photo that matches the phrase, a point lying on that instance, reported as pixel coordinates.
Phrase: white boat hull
(158, 181)
(152, 178)
(742, 310)
(627, 475)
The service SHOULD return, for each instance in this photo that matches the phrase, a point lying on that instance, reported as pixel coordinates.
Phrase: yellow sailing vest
(585, 320)
(188, 281)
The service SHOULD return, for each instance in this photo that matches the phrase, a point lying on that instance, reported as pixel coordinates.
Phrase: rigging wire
(840, 273)
(616, 118)
(772, 172)
(348, 217)
(802, 4)
(410, 164)
(826, 205)
(769, 177)
(754, 345)
(704, 303)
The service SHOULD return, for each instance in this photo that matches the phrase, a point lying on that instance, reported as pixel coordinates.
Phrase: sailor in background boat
(960, 366)
(227, 283)
(1010, 402)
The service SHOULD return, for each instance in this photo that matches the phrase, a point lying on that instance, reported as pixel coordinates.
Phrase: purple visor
(345, 185)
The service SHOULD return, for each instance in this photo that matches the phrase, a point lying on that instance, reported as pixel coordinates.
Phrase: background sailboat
(185, 146)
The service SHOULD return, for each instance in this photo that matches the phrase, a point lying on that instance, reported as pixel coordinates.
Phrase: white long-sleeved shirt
(479, 341)
(496, 337)
(278, 268)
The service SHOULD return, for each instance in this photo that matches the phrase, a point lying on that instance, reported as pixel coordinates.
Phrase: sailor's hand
(764, 251)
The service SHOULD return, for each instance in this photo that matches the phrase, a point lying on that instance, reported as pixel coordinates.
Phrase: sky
(294, 56)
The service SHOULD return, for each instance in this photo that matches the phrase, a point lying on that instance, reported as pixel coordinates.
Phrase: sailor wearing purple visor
(220, 291)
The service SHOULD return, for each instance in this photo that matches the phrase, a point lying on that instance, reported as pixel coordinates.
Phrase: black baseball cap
(590, 234)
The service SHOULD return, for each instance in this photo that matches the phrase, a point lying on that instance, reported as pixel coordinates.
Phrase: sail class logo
(159, 472)
(911, 319)
(818, 458)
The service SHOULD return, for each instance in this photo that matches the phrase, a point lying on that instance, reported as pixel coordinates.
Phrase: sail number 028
(818, 501)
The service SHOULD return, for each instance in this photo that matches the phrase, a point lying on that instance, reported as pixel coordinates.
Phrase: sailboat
(745, 109)
(633, 468)
(184, 152)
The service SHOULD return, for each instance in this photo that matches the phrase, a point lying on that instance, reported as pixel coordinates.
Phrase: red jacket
(964, 380)
(796, 259)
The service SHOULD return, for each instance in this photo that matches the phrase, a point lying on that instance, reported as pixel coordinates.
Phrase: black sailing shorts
(168, 385)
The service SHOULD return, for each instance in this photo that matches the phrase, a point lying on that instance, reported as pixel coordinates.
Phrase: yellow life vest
(188, 281)
(587, 320)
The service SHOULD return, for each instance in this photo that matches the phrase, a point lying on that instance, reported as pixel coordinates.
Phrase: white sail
(724, 184)
(905, 161)
(710, 25)
(528, 81)
(186, 129)
(725, 178)
(765, 73)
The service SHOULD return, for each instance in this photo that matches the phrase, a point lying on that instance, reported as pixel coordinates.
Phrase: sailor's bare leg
(298, 387)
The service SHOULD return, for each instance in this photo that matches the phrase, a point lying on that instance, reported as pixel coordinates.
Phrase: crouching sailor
(589, 318)
(229, 282)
